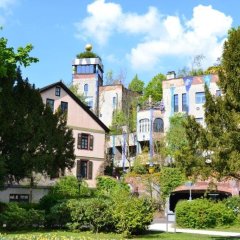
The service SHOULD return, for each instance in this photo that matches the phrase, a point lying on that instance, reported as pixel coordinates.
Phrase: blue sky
(132, 37)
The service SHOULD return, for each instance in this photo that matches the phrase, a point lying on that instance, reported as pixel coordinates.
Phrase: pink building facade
(88, 131)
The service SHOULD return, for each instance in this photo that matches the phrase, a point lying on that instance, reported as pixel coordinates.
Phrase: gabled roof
(77, 100)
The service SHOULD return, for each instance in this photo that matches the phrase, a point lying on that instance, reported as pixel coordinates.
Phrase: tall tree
(215, 150)
(154, 88)
(136, 85)
(32, 138)
(176, 135)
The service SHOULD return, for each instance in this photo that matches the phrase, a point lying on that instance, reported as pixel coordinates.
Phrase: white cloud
(203, 34)
(101, 22)
(159, 35)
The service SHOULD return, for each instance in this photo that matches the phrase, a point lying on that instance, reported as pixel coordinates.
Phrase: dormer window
(57, 91)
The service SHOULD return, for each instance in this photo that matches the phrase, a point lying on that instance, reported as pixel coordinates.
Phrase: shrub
(233, 203)
(106, 185)
(131, 215)
(59, 216)
(16, 217)
(92, 214)
(48, 201)
(139, 165)
(223, 215)
(203, 213)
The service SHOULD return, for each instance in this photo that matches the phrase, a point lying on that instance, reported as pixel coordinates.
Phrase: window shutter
(78, 168)
(91, 142)
(90, 169)
(79, 141)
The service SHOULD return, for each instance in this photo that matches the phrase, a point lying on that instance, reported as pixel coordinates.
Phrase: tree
(32, 139)
(112, 79)
(176, 135)
(215, 150)
(196, 67)
(154, 88)
(136, 85)
(75, 89)
(169, 179)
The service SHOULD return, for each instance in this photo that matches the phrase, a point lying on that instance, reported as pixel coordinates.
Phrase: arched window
(85, 88)
(158, 125)
(144, 125)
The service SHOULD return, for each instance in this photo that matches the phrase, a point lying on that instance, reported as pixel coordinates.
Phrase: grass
(64, 235)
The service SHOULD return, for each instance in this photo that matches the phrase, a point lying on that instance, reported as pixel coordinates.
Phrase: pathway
(163, 227)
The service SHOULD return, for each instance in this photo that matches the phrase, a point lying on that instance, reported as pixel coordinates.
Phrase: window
(85, 141)
(199, 120)
(64, 106)
(144, 125)
(57, 91)
(218, 93)
(89, 101)
(184, 102)
(175, 102)
(50, 103)
(18, 197)
(86, 69)
(158, 125)
(84, 169)
(200, 97)
(114, 102)
(86, 88)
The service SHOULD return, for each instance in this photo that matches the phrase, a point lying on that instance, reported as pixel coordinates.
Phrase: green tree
(33, 139)
(154, 88)
(215, 150)
(176, 135)
(136, 85)
(169, 179)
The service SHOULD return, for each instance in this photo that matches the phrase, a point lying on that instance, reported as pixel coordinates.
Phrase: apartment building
(187, 95)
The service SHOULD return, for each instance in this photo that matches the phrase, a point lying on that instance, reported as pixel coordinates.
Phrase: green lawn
(62, 235)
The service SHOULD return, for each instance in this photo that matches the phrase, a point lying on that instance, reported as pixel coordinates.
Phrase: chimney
(171, 75)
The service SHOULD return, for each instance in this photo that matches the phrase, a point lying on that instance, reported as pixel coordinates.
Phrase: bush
(131, 215)
(90, 214)
(58, 216)
(16, 217)
(139, 166)
(233, 203)
(203, 213)
(48, 201)
(106, 185)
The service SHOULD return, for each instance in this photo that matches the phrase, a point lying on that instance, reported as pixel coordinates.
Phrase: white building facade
(187, 95)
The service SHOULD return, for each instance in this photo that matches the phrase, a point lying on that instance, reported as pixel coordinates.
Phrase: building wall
(37, 193)
(81, 122)
(106, 104)
(91, 80)
(178, 87)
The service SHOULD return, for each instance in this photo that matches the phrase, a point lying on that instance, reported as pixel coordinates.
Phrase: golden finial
(88, 47)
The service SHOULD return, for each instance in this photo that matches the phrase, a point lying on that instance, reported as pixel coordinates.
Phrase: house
(89, 132)
(187, 95)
